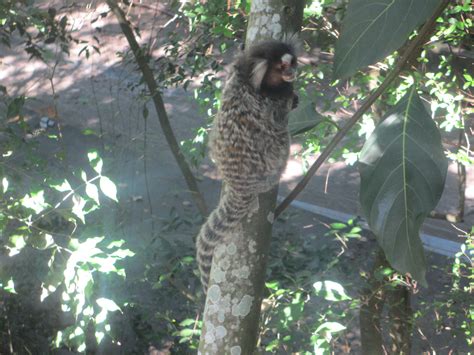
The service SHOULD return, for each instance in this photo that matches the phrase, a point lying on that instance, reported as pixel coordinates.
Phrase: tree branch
(159, 106)
(411, 49)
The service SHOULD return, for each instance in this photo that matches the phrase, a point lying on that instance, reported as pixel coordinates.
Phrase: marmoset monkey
(249, 142)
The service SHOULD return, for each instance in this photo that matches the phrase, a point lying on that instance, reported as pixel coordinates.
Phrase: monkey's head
(270, 68)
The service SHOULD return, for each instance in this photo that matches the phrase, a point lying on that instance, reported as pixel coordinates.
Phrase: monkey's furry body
(249, 144)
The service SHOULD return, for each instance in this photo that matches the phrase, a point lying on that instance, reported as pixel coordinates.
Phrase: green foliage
(39, 27)
(463, 284)
(213, 28)
(403, 170)
(52, 217)
(307, 310)
(287, 311)
(373, 30)
(303, 118)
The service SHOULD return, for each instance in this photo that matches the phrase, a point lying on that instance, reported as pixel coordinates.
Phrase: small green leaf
(273, 285)
(95, 161)
(93, 192)
(10, 286)
(78, 207)
(338, 226)
(187, 332)
(108, 188)
(187, 322)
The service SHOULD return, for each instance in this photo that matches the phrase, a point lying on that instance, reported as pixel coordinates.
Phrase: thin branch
(145, 172)
(159, 106)
(407, 56)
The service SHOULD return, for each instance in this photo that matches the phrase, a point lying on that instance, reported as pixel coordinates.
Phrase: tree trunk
(232, 310)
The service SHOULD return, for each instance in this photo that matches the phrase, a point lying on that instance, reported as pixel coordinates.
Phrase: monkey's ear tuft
(258, 72)
(292, 39)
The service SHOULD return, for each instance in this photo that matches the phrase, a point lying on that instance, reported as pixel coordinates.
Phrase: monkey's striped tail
(232, 207)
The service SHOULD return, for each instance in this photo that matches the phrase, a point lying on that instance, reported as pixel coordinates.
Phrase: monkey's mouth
(289, 77)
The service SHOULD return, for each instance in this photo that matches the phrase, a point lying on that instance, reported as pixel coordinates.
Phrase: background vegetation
(68, 282)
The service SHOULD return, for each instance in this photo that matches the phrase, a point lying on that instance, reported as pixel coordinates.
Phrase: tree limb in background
(159, 106)
(409, 53)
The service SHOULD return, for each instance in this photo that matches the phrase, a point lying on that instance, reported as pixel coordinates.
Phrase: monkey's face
(274, 68)
(279, 75)
(285, 68)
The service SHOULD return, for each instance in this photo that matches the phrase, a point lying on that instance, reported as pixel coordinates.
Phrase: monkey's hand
(295, 101)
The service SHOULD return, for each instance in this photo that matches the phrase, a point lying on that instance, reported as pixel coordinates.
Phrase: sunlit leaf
(5, 184)
(95, 161)
(18, 242)
(116, 244)
(10, 286)
(46, 291)
(93, 192)
(187, 332)
(99, 336)
(403, 170)
(331, 291)
(108, 188)
(35, 201)
(92, 155)
(108, 304)
(273, 285)
(83, 176)
(78, 207)
(63, 187)
(105, 265)
(122, 253)
(331, 327)
(371, 30)
(338, 225)
(187, 322)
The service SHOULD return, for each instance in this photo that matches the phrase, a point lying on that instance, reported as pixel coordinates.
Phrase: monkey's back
(249, 142)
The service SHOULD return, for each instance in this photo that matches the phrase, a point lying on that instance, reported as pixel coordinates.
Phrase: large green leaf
(371, 30)
(403, 169)
(303, 118)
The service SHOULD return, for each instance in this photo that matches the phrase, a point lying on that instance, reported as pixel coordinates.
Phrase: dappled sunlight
(98, 223)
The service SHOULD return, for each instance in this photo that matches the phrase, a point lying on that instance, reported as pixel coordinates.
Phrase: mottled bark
(232, 310)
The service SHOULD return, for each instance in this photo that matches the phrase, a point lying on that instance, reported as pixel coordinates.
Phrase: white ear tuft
(293, 40)
(258, 72)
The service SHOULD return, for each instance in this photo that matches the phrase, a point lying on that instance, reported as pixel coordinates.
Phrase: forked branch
(407, 56)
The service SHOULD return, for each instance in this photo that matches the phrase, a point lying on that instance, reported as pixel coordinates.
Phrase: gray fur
(249, 144)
